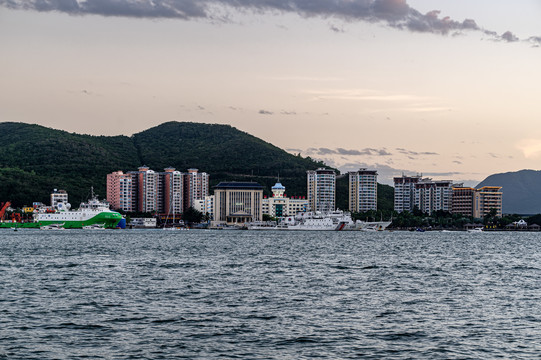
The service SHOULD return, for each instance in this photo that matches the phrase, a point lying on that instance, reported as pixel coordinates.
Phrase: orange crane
(3, 209)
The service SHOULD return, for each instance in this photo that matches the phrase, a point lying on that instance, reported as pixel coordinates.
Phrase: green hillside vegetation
(35, 160)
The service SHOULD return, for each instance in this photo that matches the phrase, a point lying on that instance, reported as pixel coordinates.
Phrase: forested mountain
(521, 191)
(34, 159)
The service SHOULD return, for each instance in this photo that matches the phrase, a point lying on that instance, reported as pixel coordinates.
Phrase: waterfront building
(237, 202)
(120, 191)
(279, 205)
(196, 187)
(430, 196)
(321, 190)
(147, 184)
(173, 193)
(363, 190)
(477, 202)
(463, 200)
(485, 199)
(145, 190)
(58, 196)
(404, 189)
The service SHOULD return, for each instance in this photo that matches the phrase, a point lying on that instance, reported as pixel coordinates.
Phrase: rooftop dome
(278, 186)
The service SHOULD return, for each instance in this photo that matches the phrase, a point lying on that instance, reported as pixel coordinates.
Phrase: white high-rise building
(321, 190)
(196, 187)
(363, 190)
(173, 191)
(431, 196)
(404, 189)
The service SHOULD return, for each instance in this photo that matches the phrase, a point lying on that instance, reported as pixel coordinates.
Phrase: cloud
(265, 112)
(346, 152)
(509, 37)
(288, 112)
(394, 13)
(531, 148)
(415, 153)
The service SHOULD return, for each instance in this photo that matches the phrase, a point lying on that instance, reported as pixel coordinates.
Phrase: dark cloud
(509, 37)
(394, 13)
(410, 153)
(265, 112)
(347, 152)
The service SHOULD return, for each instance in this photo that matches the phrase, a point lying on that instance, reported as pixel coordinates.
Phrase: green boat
(90, 213)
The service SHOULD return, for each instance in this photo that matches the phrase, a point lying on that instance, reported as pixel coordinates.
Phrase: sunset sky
(385, 84)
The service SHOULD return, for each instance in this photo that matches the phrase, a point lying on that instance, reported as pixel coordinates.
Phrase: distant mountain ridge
(521, 191)
(35, 159)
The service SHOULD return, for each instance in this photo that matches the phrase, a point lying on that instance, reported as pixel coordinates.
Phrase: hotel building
(237, 202)
(477, 202)
(485, 199)
(363, 190)
(321, 190)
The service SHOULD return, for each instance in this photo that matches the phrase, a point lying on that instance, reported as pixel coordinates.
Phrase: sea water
(136, 294)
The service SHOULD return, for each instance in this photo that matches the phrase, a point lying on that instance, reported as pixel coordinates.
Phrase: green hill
(35, 159)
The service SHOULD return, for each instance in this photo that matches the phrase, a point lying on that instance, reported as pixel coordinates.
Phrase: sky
(447, 89)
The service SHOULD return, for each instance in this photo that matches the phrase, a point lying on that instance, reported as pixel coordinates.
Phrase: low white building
(278, 205)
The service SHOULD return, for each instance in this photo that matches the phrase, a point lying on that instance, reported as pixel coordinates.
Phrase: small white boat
(53, 227)
(476, 230)
(94, 227)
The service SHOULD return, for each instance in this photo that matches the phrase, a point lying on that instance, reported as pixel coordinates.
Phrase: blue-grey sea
(199, 294)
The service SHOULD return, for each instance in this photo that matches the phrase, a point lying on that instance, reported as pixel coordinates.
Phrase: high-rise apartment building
(404, 192)
(321, 190)
(431, 196)
(426, 195)
(363, 190)
(120, 192)
(148, 189)
(196, 187)
(165, 192)
(173, 191)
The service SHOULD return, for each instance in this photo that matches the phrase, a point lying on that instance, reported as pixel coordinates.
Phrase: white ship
(309, 221)
(316, 221)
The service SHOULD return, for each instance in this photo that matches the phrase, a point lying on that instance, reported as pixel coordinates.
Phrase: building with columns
(238, 202)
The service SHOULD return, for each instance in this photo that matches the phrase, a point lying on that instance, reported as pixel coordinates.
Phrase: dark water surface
(269, 295)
